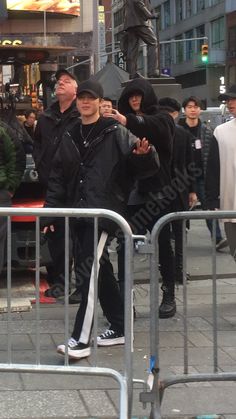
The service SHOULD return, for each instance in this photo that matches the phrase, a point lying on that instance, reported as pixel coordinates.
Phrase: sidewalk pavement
(40, 396)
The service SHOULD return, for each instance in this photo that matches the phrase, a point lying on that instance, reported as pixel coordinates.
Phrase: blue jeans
(201, 194)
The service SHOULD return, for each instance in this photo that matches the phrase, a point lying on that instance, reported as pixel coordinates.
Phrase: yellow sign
(9, 42)
(71, 7)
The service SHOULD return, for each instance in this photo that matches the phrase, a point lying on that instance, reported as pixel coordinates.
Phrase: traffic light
(205, 53)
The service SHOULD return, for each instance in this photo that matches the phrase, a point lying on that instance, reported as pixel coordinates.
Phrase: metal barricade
(124, 380)
(159, 383)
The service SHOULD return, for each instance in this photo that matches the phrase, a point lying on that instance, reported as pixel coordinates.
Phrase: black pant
(108, 291)
(166, 256)
(5, 201)
(56, 247)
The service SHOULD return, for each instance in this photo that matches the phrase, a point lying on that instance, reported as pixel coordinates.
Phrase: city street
(36, 396)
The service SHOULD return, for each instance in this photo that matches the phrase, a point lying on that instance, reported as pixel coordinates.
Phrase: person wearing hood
(93, 167)
(150, 199)
(47, 136)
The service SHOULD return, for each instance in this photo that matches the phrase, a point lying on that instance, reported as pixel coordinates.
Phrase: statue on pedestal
(137, 26)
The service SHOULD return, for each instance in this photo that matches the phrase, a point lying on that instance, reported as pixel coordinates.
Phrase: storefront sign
(9, 42)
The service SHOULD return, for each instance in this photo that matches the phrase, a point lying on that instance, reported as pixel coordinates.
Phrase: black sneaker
(75, 297)
(167, 308)
(110, 338)
(55, 291)
(221, 244)
(76, 350)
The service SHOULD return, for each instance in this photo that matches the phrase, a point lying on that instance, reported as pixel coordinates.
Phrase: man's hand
(117, 116)
(51, 228)
(142, 147)
(192, 199)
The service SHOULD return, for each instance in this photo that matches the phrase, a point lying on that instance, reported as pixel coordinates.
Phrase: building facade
(185, 25)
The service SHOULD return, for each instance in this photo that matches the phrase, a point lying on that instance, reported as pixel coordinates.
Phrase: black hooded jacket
(48, 133)
(158, 127)
(103, 175)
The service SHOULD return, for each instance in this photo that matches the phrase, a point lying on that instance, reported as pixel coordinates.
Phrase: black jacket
(183, 169)
(48, 133)
(103, 177)
(157, 126)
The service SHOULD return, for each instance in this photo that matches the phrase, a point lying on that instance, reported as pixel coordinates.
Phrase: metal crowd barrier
(159, 383)
(124, 380)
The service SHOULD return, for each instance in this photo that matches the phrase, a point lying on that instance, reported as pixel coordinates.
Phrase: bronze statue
(137, 26)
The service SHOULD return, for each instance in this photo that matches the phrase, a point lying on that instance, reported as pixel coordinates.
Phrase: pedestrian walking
(183, 175)
(149, 199)
(48, 134)
(202, 138)
(92, 169)
(221, 174)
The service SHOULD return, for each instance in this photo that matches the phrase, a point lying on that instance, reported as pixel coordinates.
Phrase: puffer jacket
(157, 126)
(103, 177)
(48, 133)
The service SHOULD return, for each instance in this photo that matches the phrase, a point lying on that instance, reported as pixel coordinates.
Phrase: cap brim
(95, 95)
(60, 73)
(226, 96)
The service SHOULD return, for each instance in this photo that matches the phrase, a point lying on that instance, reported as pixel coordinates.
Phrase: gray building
(190, 19)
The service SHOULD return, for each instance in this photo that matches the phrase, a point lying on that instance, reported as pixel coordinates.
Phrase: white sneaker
(110, 338)
(76, 350)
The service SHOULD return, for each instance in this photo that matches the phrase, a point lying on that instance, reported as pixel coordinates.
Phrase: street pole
(96, 43)
(45, 42)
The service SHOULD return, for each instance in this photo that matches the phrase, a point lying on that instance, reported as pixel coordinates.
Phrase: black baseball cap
(230, 94)
(90, 86)
(62, 71)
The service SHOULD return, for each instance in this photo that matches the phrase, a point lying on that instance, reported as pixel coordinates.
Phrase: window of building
(179, 50)
(166, 56)
(218, 33)
(189, 45)
(179, 10)
(200, 5)
(232, 74)
(232, 38)
(166, 12)
(158, 21)
(189, 8)
(214, 2)
(119, 17)
(200, 32)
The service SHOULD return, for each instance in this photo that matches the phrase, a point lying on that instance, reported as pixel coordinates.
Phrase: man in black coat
(48, 133)
(150, 199)
(183, 179)
(137, 26)
(93, 167)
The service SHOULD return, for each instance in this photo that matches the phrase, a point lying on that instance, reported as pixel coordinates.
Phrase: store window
(179, 50)
(166, 17)
(232, 38)
(218, 33)
(200, 5)
(179, 10)
(189, 45)
(200, 32)
(189, 8)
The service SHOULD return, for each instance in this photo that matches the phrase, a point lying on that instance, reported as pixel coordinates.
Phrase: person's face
(135, 102)
(66, 87)
(87, 105)
(231, 104)
(31, 119)
(192, 111)
(106, 107)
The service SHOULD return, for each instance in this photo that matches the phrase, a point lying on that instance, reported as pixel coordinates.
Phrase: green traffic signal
(205, 58)
(204, 53)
